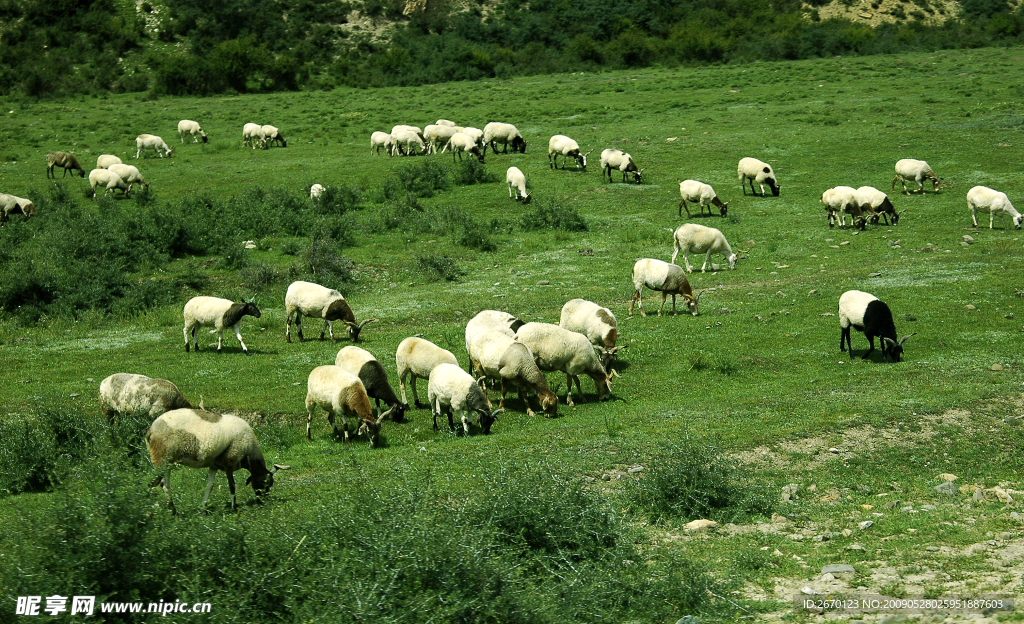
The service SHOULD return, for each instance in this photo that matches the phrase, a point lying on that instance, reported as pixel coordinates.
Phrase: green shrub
(552, 216)
(336, 200)
(325, 263)
(424, 178)
(472, 171)
(436, 268)
(38, 451)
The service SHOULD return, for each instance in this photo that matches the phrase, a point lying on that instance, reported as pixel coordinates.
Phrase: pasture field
(566, 518)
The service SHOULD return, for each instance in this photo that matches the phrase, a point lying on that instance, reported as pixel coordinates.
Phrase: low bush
(436, 268)
(552, 216)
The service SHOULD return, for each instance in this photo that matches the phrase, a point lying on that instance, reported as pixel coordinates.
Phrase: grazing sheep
(122, 394)
(498, 356)
(272, 134)
(476, 134)
(417, 357)
(316, 301)
(340, 393)
(596, 323)
(220, 314)
(877, 204)
(187, 126)
(917, 170)
(251, 133)
(460, 143)
(754, 170)
(408, 139)
(108, 179)
(9, 204)
(670, 279)
(380, 140)
(983, 199)
(105, 160)
(444, 122)
(65, 161)
(557, 349)
(362, 364)
(693, 238)
(201, 439)
(501, 322)
(866, 313)
(517, 180)
(560, 145)
(698, 192)
(506, 134)
(316, 191)
(438, 136)
(401, 129)
(149, 141)
(130, 174)
(617, 159)
(451, 389)
(840, 201)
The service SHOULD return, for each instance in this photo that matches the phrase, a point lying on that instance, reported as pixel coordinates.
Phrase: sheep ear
(278, 467)
(904, 339)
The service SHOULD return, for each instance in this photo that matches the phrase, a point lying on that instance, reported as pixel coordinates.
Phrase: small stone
(74, 395)
(1005, 535)
(90, 379)
(700, 525)
(978, 496)
(1015, 516)
(968, 239)
(856, 547)
(908, 508)
(946, 488)
(867, 524)
(1001, 494)
(834, 449)
(636, 469)
(606, 477)
(876, 274)
(892, 504)
(808, 591)
(813, 292)
(847, 532)
(828, 578)
(824, 537)
(866, 507)
(543, 283)
(947, 477)
(928, 507)
(845, 243)
(815, 610)
(865, 15)
(997, 367)
(970, 307)
(932, 549)
(838, 568)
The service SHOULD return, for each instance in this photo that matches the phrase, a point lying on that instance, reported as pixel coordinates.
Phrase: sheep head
(774, 186)
(487, 419)
(732, 262)
(548, 404)
(1018, 221)
(893, 349)
(262, 481)
(519, 145)
(608, 355)
(372, 430)
(354, 329)
(638, 175)
(581, 160)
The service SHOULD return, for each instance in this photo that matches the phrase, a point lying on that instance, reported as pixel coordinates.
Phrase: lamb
(316, 191)
(877, 204)
(498, 356)
(380, 140)
(251, 133)
(418, 357)
(698, 192)
(408, 138)
(123, 394)
(130, 174)
(451, 389)
(996, 204)
(560, 145)
(272, 134)
(149, 141)
(187, 126)
(670, 279)
(918, 170)
(460, 143)
(362, 364)
(105, 160)
(754, 170)
(438, 135)
(596, 323)
(220, 314)
(557, 349)
(108, 179)
(340, 393)
(506, 134)
(840, 201)
(866, 313)
(617, 159)
(693, 238)
(9, 204)
(316, 301)
(65, 161)
(516, 179)
(201, 439)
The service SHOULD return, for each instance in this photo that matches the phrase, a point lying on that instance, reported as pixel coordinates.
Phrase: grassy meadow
(549, 519)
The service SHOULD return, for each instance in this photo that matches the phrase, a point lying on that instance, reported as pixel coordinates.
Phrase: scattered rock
(789, 492)
(892, 504)
(978, 496)
(828, 578)
(946, 488)
(90, 379)
(1000, 493)
(636, 469)
(815, 610)
(689, 619)
(809, 591)
(932, 549)
(970, 307)
(824, 537)
(867, 524)
(543, 283)
(606, 477)
(997, 367)
(833, 450)
(968, 239)
(946, 477)
(838, 568)
(845, 243)
(813, 292)
(780, 294)
(777, 519)
(856, 547)
(74, 395)
(847, 532)
(876, 274)
(928, 507)
(700, 525)
(908, 509)
(1015, 516)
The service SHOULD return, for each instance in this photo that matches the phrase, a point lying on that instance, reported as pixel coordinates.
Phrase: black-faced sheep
(271, 135)
(754, 170)
(191, 128)
(251, 133)
(866, 313)
(316, 301)
(620, 161)
(560, 145)
(516, 180)
(220, 314)
(506, 134)
(382, 140)
(362, 364)
(451, 389)
(699, 193)
(461, 142)
(877, 204)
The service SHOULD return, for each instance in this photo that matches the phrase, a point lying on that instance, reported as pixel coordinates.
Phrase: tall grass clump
(38, 451)
(552, 216)
(437, 268)
(472, 171)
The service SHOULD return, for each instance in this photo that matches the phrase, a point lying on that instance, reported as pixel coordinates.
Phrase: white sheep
(401, 129)
(700, 193)
(408, 139)
(9, 204)
(451, 389)
(444, 122)
(461, 142)
(917, 170)
(316, 301)
(496, 320)
(251, 133)
(517, 180)
(754, 170)
(201, 439)
(498, 356)
(340, 393)
(191, 128)
(272, 134)
(598, 324)
(620, 161)
(122, 394)
(694, 238)
(561, 145)
(417, 357)
(476, 134)
(380, 140)
(504, 133)
(65, 161)
(983, 199)
(153, 142)
(105, 160)
(108, 180)
(316, 191)
(669, 279)
(130, 174)
(220, 314)
(840, 201)
(557, 349)
(877, 204)
(362, 364)
(437, 135)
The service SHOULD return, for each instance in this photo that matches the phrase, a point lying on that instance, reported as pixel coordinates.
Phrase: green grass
(758, 370)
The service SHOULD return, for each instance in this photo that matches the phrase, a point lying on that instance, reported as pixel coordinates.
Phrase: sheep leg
(415, 396)
(327, 327)
(871, 341)
(636, 295)
(664, 296)
(451, 422)
(288, 329)
(220, 339)
(210, 478)
(682, 205)
(991, 218)
(707, 258)
(673, 304)
(185, 330)
(844, 336)
(164, 480)
(310, 406)
(401, 386)
(298, 325)
(504, 389)
(231, 487)
(238, 334)
(686, 261)
(568, 390)
(579, 388)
